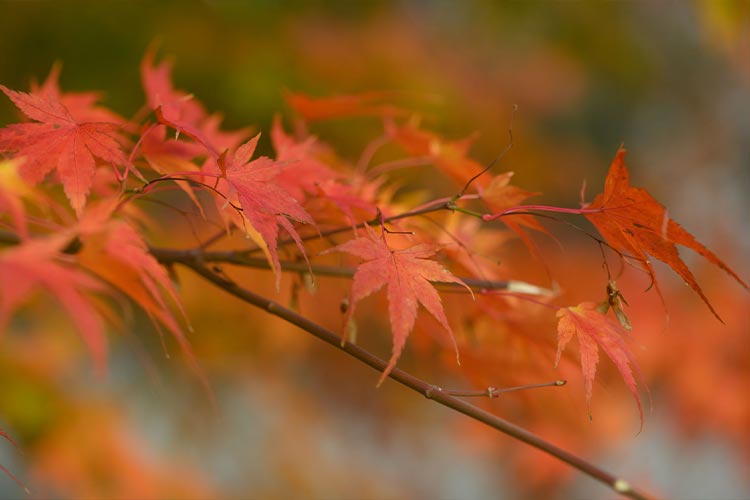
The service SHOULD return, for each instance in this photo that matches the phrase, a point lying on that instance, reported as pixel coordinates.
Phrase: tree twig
(494, 392)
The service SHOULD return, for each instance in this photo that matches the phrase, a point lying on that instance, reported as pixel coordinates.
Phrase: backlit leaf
(634, 223)
(407, 275)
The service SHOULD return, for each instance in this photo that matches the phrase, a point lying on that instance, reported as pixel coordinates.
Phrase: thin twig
(497, 158)
(433, 206)
(494, 392)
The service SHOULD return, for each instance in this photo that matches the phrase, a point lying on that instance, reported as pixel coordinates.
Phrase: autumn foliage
(85, 195)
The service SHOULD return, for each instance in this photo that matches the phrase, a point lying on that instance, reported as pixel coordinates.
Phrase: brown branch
(420, 386)
(9, 238)
(240, 258)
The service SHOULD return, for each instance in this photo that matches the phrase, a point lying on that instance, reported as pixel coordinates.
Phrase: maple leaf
(59, 141)
(12, 190)
(500, 195)
(634, 223)
(170, 156)
(325, 108)
(114, 251)
(157, 84)
(82, 105)
(182, 112)
(35, 264)
(450, 157)
(355, 202)
(407, 274)
(303, 172)
(266, 206)
(306, 175)
(594, 330)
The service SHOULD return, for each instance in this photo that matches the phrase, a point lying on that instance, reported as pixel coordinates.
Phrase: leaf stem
(542, 208)
(430, 207)
(168, 256)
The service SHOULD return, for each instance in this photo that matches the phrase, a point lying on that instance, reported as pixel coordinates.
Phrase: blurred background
(297, 419)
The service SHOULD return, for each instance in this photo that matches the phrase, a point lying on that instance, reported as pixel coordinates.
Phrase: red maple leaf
(304, 171)
(38, 264)
(82, 105)
(59, 141)
(157, 84)
(266, 206)
(634, 223)
(593, 330)
(407, 274)
(182, 112)
(356, 202)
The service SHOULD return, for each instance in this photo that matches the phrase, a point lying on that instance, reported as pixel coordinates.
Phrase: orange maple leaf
(500, 195)
(408, 274)
(59, 141)
(595, 330)
(114, 250)
(342, 106)
(12, 191)
(634, 223)
(450, 157)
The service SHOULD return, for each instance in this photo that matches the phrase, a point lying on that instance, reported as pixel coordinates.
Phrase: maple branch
(420, 386)
(15, 479)
(5, 435)
(241, 258)
(9, 237)
(433, 206)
